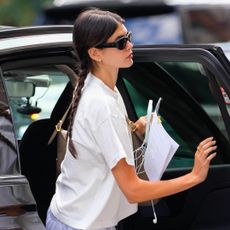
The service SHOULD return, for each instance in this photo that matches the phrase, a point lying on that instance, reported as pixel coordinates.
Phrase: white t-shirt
(87, 195)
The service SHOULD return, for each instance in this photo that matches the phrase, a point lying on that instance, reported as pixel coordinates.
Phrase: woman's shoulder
(93, 96)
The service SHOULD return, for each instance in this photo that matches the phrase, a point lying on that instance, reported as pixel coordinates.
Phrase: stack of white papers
(160, 146)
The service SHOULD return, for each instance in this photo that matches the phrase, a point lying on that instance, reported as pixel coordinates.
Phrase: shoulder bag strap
(58, 126)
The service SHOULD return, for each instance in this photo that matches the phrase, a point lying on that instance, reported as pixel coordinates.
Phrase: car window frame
(200, 54)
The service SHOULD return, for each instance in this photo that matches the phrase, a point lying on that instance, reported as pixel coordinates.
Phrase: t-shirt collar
(92, 78)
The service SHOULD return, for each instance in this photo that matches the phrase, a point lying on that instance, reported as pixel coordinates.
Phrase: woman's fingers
(206, 151)
(211, 156)
(204, 142)
(141, 124)
(206, 147)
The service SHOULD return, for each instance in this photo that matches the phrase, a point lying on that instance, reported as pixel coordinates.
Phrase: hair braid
(76, 98)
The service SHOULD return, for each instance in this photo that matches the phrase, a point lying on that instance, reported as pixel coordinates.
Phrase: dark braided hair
(91, 28)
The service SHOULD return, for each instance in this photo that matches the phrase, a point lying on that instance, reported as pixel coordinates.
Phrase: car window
(188, 111)
(194, 80)
(33, 92)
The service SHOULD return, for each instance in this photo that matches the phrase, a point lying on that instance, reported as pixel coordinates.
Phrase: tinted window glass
(188, 112)
(194, 80)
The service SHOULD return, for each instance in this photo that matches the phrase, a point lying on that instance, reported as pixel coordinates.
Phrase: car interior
(37, 158)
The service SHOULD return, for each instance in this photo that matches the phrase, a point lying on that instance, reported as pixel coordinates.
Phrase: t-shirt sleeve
(114, 141)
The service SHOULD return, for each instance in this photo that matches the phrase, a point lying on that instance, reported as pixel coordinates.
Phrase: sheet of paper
(160, 150)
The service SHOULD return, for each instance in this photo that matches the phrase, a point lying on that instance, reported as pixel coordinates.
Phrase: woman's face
(114, 57)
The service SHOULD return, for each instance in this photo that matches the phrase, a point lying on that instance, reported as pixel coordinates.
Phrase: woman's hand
(141, 124)
(203, 156)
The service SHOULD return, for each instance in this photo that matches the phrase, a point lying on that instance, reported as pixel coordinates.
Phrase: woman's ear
(94, 54)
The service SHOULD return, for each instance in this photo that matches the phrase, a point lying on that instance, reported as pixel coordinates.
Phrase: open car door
(194, 83)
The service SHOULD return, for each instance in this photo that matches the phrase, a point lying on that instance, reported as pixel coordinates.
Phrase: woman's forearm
(143, 190)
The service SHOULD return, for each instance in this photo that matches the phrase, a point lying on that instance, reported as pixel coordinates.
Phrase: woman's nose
(129, 45)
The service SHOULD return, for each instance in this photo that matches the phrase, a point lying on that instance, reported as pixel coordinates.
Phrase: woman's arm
(137, 190)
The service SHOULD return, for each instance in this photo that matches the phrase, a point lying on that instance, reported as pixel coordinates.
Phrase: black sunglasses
(120, 43)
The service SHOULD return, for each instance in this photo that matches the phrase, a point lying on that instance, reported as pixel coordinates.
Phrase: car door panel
(18, 208)
(204, 202)
(202, 207)
(187, 113)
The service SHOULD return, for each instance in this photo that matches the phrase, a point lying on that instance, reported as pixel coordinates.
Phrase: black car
(36, 82)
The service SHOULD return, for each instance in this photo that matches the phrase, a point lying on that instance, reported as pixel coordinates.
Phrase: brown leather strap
(58, 126)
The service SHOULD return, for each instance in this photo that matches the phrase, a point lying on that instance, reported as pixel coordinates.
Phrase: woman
(98, 185)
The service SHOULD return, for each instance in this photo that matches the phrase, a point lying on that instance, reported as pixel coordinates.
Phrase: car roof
(13, 38)
(8, 31)
(9, 36)
(3, 27)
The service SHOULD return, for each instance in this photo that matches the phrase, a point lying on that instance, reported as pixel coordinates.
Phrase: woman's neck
(107, 76)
